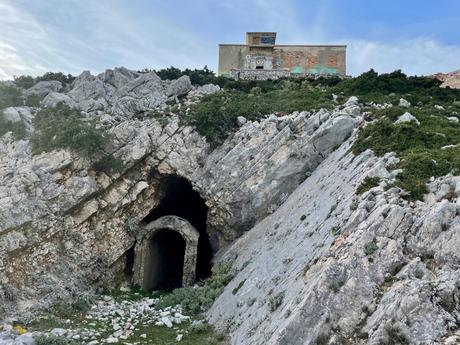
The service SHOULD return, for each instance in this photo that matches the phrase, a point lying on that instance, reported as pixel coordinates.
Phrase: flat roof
(287, 45)
(261, 32)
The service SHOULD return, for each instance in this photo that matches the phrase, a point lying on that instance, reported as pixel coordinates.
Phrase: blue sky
(419, 37)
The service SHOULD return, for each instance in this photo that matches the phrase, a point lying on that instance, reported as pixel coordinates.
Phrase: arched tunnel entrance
(165, 266)
(175, 231)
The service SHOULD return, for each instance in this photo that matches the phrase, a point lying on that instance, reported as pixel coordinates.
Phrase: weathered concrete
(296, 59)
(144, 273)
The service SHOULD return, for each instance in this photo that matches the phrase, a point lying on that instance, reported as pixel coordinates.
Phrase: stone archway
(166, 241)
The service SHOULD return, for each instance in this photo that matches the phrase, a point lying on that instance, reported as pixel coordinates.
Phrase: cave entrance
(181, 210)
(180, 199)
(164, 265)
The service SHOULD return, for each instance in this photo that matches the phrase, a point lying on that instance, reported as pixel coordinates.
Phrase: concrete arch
(145, 270)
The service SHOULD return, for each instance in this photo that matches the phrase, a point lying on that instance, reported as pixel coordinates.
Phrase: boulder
(53, 98)
(407, 117)
(42, 88)
(403, 103)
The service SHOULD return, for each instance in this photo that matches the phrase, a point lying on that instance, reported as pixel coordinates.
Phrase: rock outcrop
(332, 267)
(451, 79)
(62, 223)
(315, 263)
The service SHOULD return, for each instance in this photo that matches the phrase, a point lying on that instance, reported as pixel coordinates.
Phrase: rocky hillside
(337, 215)
(451, 79)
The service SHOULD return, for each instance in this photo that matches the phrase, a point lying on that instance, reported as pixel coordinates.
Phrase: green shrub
(18, 128)
(109, 164)
(10, 96)
(215, 116)
(59, 76)
(395, 82)
(132, 226)
(198, 299)
(275, 301)
(335, 230)
(395, 336)
(33, 100)
(61, 127)
(53, 340)
(24, 81)
(367, 184)
(370, 247)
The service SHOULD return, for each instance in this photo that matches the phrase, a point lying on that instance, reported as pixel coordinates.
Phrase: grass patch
(238, 287)
(53, 340)
(215, 116)
(395, 336)
(197, 299)
(62, 127)
(10, 96)
(370, 247)
(367, 184)
(275, 302)
(18, 128)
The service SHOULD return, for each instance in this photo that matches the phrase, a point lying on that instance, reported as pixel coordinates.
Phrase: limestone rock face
(256, 169)
(124, 92)
(58, 214)
(451, 79)
(314, 262)
(42, 88)
(329, 265)
(54, 98)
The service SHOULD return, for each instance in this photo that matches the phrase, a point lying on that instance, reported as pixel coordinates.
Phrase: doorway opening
(181, 200)
(165, 261)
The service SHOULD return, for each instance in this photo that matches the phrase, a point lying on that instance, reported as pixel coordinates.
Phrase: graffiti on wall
(258, 61)
(267, 40)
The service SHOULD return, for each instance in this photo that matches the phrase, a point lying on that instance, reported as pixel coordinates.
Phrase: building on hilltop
(260, 59)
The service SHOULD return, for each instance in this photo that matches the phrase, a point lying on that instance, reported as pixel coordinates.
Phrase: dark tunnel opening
(165, 264)
(129, 263)
(179, 199)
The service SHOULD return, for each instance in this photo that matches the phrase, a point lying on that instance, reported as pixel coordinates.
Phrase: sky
(419, 37)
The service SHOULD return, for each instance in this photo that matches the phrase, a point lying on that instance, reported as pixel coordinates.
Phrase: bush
(24, 81)
(18, 128)
(275, 301)
(370, 247)
(367, 184)
(395, 82)
(33, 100)
(59, 76)
(109, 164)
(198, 299)
(197, 76)
(61, 127)
(53, 340)
(215, 117)
(10, 96)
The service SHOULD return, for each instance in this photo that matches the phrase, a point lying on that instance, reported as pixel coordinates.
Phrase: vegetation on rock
(18, 128)
(62, 127)
(10, 96)
(368, 183)
(197, 299)
(27, 81)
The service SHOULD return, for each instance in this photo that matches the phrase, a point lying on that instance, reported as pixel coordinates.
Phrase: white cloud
(420, 56)
(75, 35)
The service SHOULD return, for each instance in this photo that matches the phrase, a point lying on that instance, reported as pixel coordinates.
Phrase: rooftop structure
(262, 58)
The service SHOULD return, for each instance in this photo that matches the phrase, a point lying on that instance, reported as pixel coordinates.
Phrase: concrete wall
(298, 59)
